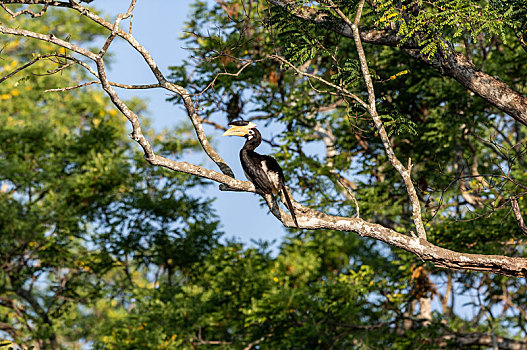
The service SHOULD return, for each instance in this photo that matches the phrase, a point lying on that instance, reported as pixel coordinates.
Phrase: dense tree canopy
(401, 122)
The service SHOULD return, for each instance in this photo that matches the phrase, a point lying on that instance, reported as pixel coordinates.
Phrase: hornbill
(262, 170)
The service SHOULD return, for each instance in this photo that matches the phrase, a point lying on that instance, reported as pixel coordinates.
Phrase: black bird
(262, 170)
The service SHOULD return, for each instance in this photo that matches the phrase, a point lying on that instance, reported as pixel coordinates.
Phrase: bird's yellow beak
(237, 130)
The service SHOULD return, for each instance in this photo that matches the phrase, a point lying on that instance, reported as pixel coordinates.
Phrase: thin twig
(211, 84)
(119, 85)
(343, 91)
(26, 11)
(346, 185)
(28, 64)
(72, 87)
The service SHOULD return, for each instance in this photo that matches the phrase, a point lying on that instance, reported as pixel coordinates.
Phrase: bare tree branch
(26, 65)
(372, 109)
(116, 31)
(72, 87)
(478, 339)
(50, 38)
(26, 11)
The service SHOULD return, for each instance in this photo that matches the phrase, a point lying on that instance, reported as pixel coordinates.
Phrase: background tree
(417, 244)
(77, 203)
(410, 157)
(467, 151)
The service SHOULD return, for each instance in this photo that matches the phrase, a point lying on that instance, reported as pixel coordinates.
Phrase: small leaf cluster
(433, 25)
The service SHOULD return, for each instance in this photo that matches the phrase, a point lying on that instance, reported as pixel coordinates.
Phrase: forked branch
(404, 172)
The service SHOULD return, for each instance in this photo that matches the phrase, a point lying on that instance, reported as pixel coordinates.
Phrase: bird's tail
(289, 205)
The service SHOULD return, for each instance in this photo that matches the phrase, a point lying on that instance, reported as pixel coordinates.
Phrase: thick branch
(449, 63)
(453, 64)
(48, 38)
(312, 219)
(188, 168)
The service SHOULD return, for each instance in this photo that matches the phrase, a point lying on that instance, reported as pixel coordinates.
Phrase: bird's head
(240, 128)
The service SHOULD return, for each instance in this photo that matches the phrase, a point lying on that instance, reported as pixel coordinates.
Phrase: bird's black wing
(252, 166)
(267, 175)
(289, 204)
(279, 184)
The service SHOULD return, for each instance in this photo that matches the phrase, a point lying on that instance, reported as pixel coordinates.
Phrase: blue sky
(158, 26)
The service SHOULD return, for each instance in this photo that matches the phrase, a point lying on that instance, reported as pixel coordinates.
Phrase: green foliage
(100, 249)
(398, 123)
(449, 134)
(307, 296)
(347, 75)
(432, 25)
(78, 203)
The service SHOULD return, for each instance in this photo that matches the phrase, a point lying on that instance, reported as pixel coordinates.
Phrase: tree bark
(491, 89)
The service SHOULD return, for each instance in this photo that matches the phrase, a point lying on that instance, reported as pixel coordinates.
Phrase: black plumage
(262, 170)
